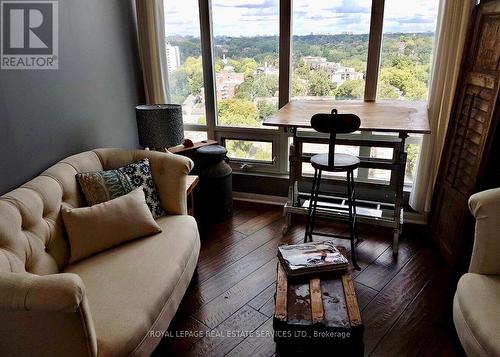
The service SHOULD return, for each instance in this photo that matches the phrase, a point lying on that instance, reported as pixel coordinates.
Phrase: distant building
(337, 73)
(227, 81)
(267, 70)
(314, 62)
(343, 74)
(173, 57)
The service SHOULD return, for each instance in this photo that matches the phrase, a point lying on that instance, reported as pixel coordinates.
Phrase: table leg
(292, 185)
(398, 204)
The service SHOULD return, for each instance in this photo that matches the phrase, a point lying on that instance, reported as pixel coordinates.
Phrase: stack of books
(311, 258)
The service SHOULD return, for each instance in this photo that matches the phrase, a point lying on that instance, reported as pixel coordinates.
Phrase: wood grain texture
(388, 116)
(237, 293)
(317, 312)
(384, 310)
(227, 335)
(281, 295)
(351, 301)
(471, 135)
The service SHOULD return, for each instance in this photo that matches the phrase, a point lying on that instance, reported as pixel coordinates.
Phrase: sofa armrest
(485, 207)
(45, 315)
(170, 175)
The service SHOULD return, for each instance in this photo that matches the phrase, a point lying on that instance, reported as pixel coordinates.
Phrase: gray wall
(46, 115)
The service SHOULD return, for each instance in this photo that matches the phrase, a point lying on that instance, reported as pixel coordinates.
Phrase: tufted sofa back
(32, 236)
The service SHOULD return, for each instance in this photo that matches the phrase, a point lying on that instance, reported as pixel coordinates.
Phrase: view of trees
(403, 75)
(405, 66)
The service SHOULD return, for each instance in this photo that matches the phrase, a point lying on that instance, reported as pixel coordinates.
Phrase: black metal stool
(334, 124)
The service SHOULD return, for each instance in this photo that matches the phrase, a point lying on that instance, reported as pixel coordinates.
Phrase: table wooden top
(387, 116)
(191, 183)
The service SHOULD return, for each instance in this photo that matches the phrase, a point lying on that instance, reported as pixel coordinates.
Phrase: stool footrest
(331, 235)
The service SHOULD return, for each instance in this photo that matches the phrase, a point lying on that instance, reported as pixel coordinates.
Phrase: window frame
(279, 137)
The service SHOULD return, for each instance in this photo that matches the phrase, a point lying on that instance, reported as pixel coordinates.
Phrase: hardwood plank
(260, 343)
(281, 295)
(386, 266)
(373, 244)
(213, 248)
(364, 294)
(229, 334)
(233, 253)
(381, 313)
(220, 308)
(247, 210)
(268, 308)
(228, 275)
(261, 299)
(260, 221)
(243, 272)
(317, 313)
(412, 333)
(183, 333)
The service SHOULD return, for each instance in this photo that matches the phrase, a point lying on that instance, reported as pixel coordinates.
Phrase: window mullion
(374, 49)
(206, 33)
(285, 41)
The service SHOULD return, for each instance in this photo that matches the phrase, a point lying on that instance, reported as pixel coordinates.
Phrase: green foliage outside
(237, 112)
(404, 73)
(354, 89)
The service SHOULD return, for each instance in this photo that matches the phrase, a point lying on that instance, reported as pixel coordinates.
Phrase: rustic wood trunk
(316, 311)
(466, 160)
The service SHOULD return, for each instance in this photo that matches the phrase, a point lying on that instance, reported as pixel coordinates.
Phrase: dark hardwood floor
(405, 301)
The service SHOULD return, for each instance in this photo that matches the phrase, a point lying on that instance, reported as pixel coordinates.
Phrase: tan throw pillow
(102, 226)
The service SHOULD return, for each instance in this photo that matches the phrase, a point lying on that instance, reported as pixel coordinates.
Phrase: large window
(184, 59)
(246, 50)
(330, 48)
(229, 84)
(406, 49)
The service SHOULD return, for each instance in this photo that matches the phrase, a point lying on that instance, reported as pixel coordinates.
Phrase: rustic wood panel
(351, 301)
(317, 313)
(281, 295)
(335, 304)
(299, 303)
(470, 135)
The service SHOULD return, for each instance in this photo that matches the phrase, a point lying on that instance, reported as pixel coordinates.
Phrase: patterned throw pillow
(139, 174)
(102, 186)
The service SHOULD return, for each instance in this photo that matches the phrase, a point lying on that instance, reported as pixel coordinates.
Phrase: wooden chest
(317, 311)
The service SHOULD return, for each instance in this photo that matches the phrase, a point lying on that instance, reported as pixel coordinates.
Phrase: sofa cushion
(94, 229)
(129, 286)
(102, 186)
(478, 298)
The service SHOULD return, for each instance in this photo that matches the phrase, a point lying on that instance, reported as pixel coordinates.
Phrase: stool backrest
(334, 124)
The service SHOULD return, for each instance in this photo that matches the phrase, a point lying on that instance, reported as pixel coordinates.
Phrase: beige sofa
(476, 306)
(114, 303)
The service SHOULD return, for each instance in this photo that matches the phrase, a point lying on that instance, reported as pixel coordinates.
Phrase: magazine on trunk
(308, 258)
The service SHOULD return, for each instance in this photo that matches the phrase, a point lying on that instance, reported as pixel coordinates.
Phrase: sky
(260, 17)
